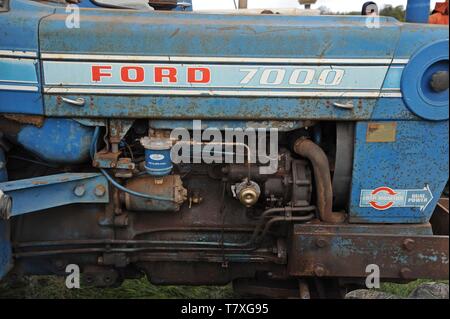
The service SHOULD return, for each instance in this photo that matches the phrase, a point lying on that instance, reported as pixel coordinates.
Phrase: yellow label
(381, 132)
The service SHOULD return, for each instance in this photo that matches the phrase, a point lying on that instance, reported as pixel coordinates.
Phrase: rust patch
(39, 183)
(35, 120)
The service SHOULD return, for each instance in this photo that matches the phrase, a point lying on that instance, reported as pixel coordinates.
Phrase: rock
(370, 294)
(430, 290)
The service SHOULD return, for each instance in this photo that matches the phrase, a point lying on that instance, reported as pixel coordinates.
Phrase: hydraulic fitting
(248, 193)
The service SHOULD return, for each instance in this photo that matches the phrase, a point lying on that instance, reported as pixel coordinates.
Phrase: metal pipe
(418, 11)
(308, 149)
(242, 4)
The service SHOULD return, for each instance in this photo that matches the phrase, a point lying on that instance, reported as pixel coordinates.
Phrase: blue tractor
(277, 150)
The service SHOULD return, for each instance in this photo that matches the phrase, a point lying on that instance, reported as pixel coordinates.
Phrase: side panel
(229, 43)
(399, 172)
(19, 68)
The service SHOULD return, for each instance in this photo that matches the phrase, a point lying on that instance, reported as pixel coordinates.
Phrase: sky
(334, 5)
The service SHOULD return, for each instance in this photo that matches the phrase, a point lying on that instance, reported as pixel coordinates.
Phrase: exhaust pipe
(418, 11)
(243, 4)
(308, 149)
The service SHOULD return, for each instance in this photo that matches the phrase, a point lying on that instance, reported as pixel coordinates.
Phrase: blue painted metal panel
(18, 70)
(159, 33)
(34, 194)
(19, 25)
(417, 158)
(415, 36)
(58, 140)
(19, 40)
(223, 108)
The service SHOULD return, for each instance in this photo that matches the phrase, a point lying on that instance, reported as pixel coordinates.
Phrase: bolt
(405, 273)
(439, 81)
(2, 165)
(409, 244)
(321, 243)
(100, 191)
(100, 260)
(112, 164)
(79, 190)
(319, 270)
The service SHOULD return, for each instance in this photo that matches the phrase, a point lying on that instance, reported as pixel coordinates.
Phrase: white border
(19, 88)
(112, 91)
(21, 54)
(141, 58)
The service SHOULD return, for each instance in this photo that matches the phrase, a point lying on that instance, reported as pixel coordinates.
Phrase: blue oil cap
(157, 155)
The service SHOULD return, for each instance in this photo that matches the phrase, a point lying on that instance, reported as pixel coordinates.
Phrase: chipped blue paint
(70, 141)
(418, 157)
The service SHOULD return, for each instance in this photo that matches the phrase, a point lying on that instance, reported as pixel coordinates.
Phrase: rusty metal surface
(321, 251)
(439, 220)
(36, 120)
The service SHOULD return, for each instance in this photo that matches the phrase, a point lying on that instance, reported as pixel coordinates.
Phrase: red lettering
(193, 73)
(165, 73)
(138, 74)
(97, 74)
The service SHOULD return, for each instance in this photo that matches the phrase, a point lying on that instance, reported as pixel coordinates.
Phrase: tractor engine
(280, 151)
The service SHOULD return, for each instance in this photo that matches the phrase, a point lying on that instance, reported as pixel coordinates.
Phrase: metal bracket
(34, 194)
(346, 250)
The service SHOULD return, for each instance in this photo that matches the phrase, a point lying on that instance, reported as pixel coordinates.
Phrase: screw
(409, 244)
(319, 270)
(79, 190)
(321, 243)
(100, 191)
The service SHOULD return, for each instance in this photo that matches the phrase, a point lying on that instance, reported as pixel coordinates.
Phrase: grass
(49, 287)
(404, 290)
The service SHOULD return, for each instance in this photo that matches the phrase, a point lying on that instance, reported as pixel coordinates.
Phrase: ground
(53, 287)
